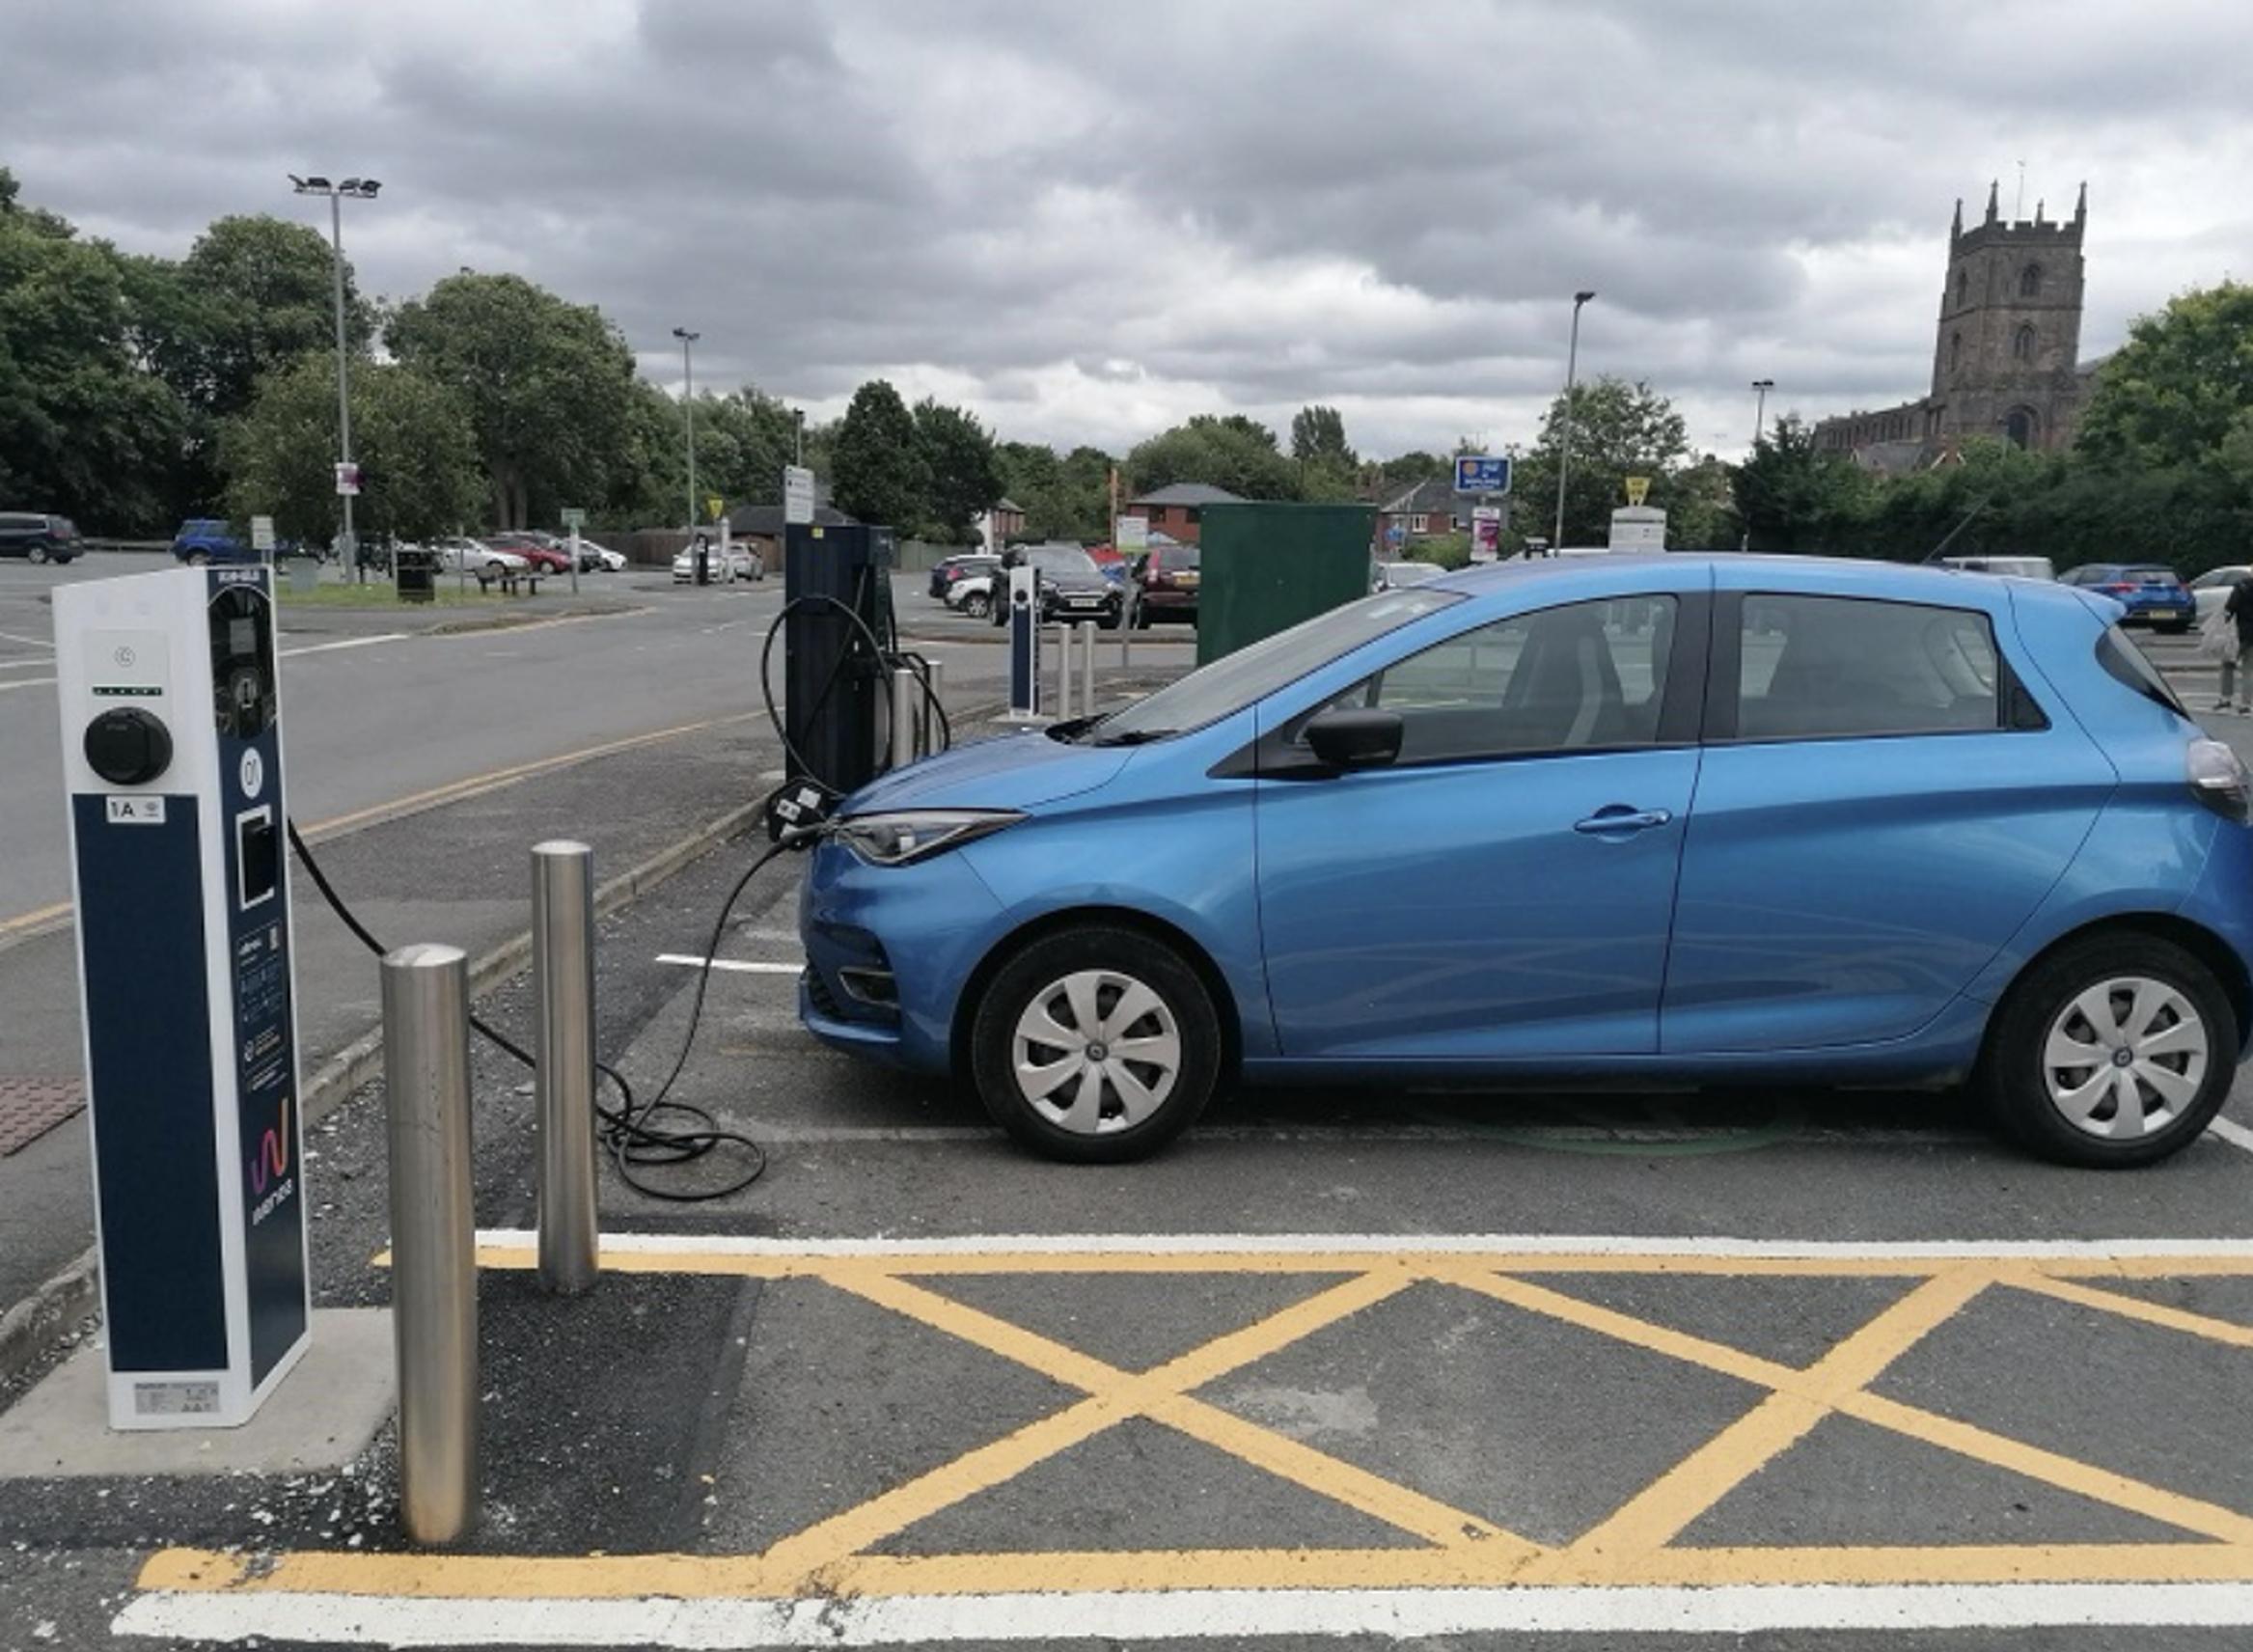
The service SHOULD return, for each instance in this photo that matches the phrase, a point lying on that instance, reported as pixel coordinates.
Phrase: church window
(2019, 428)
(2030, 282)
(2022, 344)
(1955, 351)
(1962, 285)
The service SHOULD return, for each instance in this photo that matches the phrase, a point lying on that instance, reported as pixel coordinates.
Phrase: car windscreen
(1229, 684)
(1177, 556)
(1052, 560)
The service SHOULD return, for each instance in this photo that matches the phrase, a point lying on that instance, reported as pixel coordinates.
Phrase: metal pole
(1088, 672)
(800, 414)
(903, 716)
(574, 562)
(563, 988)
(688, 402)
(1564, 457)
(1064, 673)
(433, 1235)
(344, 369)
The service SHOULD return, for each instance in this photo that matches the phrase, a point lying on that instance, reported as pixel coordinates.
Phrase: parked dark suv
(42, 537)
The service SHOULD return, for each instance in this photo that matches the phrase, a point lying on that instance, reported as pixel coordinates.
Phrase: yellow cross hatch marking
(1635, 1545)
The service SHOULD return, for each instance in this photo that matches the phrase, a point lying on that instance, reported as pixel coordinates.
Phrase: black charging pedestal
(833, 679)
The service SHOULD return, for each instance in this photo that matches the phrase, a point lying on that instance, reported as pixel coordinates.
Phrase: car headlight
(910, 835)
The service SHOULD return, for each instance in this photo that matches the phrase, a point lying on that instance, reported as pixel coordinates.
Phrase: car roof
(1907, 582)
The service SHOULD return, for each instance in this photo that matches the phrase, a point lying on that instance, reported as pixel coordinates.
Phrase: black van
(40, 538)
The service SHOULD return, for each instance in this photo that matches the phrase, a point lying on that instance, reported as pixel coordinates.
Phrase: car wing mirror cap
(1354, 739)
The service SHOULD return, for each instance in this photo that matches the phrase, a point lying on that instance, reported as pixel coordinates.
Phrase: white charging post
(1024, 646)
(172, 755)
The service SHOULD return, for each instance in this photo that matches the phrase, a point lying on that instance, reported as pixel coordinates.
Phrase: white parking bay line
(735, 965)
(346, 642)
(2234, 1134)
(1137, 1616)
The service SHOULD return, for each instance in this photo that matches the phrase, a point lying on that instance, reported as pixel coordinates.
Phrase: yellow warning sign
(1638, 488)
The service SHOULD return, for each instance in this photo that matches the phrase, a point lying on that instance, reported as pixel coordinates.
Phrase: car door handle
(1620, 817)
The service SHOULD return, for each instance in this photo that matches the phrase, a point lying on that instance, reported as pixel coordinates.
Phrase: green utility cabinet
(1266, 566)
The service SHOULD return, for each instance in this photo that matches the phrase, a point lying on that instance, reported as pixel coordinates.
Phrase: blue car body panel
(1813, 908)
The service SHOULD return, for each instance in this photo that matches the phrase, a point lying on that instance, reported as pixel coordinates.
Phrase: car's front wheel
(2115, 1052)
(39, 554)
(1096, 1045)
(977, 605)
(198, 558)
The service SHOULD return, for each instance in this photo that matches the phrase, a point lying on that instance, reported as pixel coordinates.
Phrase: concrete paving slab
(322, 1415)
(1840, 1487)
(1793, 1321)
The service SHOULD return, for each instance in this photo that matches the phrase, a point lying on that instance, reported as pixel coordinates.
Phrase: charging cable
(629, 1132)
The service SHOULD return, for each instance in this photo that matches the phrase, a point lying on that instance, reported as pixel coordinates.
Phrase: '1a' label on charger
(134, 811)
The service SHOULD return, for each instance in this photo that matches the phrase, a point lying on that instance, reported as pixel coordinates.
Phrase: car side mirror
(1354, 739)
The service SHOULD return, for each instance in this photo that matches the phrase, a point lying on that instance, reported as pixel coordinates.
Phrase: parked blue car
(1616, 819)
(2152, 594)
(204, 539)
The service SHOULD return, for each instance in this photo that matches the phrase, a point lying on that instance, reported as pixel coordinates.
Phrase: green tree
(1619, 430)
(1406, 470)
(1792, 496)
(83, 430)
(1231, 452)
(253, 295)
(549, 386)
(879, 470)
(1701, 507)
(411, 434)
(1318, 436)
(961, 476)
(2181, 389)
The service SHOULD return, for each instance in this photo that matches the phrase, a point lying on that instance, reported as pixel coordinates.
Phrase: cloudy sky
(1087, 219)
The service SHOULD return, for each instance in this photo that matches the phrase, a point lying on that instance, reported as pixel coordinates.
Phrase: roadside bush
(1449, 551)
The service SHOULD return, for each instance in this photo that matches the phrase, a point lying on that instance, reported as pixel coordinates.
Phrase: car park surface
(2051, 862)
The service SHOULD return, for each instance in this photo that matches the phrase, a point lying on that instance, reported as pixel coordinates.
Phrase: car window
(1235, 681)
(1834, 667)
(1586, 676)
(1055, 560)
(2125, 662)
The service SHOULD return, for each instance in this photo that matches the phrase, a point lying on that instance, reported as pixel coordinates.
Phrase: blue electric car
(1610, 820)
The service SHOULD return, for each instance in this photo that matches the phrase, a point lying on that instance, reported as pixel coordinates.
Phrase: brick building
(1176, 509)
(2005, 352)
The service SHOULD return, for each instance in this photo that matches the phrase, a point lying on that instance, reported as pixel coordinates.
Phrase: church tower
(2010, 330)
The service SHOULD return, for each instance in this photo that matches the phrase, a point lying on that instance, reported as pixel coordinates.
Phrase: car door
(1503, 890)
(1884, 802)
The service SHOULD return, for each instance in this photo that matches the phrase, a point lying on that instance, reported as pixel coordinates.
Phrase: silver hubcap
(1096, 1052)
(2124, 1058)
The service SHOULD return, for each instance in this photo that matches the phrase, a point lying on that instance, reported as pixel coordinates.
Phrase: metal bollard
(905, 693)
(562, 985)
(433, 1238)
(1088, 671)
(1063, 674)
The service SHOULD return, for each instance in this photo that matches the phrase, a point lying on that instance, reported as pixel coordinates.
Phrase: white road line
(28, 642)
(733, 966)
(348, 643)
(2234, 1134)
(28, 682)
(1177, 1613)
(1388, 1244)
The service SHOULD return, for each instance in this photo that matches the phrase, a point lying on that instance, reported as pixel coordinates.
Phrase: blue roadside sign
(1482, 473)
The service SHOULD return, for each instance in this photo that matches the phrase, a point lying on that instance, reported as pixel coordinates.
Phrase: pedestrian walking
(2237, 659)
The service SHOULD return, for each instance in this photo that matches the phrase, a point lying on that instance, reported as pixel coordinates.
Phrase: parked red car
(1165, 580)
(545, 559)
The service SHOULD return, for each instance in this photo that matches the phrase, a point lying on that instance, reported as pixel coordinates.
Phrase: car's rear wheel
(39, 554)
(2116, 1051)
(977, 605)
(198, 558)
(1096, 1045)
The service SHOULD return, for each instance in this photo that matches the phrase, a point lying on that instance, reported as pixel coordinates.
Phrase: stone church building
(2006, 352)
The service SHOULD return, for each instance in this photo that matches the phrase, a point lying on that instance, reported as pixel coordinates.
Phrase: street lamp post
(688, 404)
(359, 189)
(1760, 389)
(799, 414)
(1564, 457)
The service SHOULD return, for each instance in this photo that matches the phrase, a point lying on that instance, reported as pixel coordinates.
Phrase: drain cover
(30, 1108)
